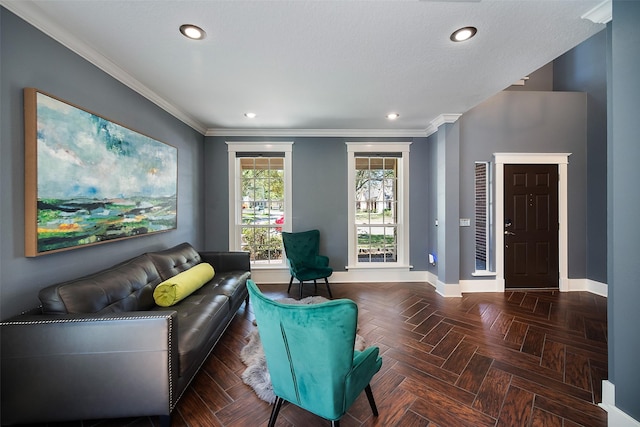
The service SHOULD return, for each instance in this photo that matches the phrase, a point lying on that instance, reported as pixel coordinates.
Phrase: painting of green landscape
(96, 181)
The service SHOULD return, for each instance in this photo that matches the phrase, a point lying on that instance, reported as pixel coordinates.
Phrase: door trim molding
(560, 159)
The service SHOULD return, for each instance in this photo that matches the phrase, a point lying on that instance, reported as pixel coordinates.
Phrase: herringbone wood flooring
(513, 359)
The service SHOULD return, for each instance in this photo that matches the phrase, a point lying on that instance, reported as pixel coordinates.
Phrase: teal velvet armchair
(310, 355)
(305, 262)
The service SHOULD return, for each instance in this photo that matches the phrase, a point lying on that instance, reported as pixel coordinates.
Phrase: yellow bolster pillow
(182, 285)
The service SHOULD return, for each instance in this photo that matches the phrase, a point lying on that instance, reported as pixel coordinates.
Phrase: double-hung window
(259, 199)
(378, 204)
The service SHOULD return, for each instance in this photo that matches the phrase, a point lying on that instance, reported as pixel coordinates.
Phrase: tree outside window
(260, 199)
(376, 208)
(262, 208)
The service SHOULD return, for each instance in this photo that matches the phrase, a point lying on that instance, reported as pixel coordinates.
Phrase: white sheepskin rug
(252, 355)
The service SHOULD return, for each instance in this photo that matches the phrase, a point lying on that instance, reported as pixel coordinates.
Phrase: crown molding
(601, 14)
(445, 118)
(327, 133)
(350, 133)
(440, 120)
(34, 16)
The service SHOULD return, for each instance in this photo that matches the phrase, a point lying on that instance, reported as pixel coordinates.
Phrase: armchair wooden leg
(335, 423)
(274, 411)
(315, 286)
(301, 282)
(328, 288)
(372, 402)
(290, 283)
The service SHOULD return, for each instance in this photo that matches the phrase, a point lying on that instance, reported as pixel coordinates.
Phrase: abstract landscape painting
(89, 180)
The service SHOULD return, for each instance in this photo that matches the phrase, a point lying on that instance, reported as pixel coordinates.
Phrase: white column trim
(560, 159)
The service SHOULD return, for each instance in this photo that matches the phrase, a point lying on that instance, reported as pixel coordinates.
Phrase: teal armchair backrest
(305, 263)
(310, 352)
(301, 248)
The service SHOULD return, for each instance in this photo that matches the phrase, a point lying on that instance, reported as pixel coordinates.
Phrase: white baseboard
(362, 275)
(281, 275)
(448, 290)
(480, 285)
(615, 417)
(270, 276)
(492, 285)
(589, 285)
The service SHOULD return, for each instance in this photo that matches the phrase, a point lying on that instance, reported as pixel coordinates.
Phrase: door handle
(509, 233)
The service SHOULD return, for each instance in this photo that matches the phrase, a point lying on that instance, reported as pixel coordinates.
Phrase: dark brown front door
(531, 226)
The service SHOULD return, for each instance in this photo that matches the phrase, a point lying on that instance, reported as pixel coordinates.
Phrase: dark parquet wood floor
(513, 359)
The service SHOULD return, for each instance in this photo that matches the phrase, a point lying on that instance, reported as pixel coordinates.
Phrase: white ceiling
(319, 67)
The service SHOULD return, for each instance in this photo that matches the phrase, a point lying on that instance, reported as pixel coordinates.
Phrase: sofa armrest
(227, 261)
(75, 367)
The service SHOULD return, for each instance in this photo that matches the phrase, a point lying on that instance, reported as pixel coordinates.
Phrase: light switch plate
(465, 222)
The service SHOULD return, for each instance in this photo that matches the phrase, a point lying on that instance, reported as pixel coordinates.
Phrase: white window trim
(488, 272)
(403, 206)
(234, 147)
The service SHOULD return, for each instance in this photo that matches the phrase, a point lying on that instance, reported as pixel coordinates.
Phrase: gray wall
(583, 69)
(539, 80)
(31, 59)
(319, 193)
(520, 122)
(442, 179)
(624, 205)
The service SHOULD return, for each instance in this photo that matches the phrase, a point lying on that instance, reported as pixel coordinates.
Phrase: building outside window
(376, 212)
(259, 200)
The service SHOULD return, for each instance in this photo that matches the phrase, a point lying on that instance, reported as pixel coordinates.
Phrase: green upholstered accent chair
(305, 263)
(310, 355)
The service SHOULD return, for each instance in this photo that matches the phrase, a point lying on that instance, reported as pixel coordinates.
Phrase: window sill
(379, 266)
(484, 273)
(269, 267)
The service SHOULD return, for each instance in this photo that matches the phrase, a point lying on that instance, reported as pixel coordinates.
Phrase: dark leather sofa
(99, 347)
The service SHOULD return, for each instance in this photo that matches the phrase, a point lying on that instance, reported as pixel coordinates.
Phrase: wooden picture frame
(89, 180)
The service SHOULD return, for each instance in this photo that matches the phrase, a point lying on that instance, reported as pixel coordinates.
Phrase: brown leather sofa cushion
(127, 286)
(175, 260)
(199, 316)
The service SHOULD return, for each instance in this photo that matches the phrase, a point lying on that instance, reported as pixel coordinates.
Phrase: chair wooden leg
(335, 423)
(315, 286)
(372, 402)
(290, 283)
(301, 282)
(274, 411)
(328, 288)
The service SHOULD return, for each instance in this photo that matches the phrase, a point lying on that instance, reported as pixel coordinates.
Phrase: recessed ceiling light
(192, 32)
(463, 34)
(250, 115)
(393, 116)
